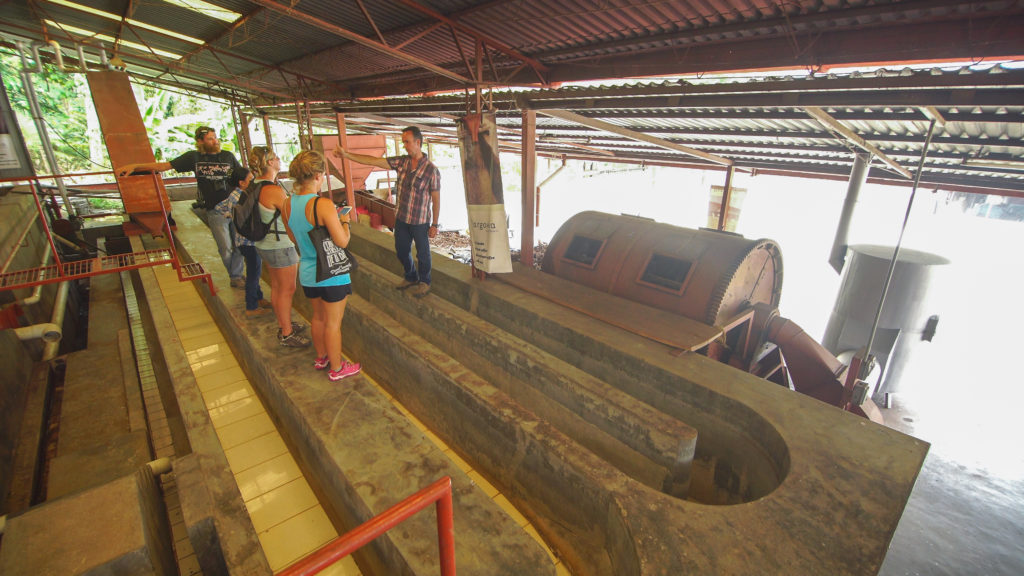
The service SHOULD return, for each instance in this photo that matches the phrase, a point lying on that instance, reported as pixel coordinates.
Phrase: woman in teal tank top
(330, 296)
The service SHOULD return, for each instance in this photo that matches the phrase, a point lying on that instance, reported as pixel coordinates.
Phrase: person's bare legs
(318, 324)
(282, 290)
(334, 312)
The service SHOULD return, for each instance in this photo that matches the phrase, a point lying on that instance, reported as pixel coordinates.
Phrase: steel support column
(266, 132)
(37, 116)
(723, 212)
(245, 138)
(858, 175)
(300, 123)
(529, 172)
(346, 166)
(309, 123)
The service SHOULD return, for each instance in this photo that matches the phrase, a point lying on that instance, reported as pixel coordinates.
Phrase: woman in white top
(276, 249)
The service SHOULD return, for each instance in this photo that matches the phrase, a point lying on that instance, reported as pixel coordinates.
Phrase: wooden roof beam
(933, 113)
(639, 136)
(400, 124)
(519, 133)
(852, 137)
(359, 39)
(538, 68)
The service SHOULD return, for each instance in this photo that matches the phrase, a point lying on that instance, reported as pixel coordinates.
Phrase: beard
(207, 149)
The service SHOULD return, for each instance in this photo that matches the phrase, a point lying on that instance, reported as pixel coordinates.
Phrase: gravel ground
(456, 245)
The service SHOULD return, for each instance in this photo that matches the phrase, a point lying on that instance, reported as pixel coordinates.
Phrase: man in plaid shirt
(419, 203)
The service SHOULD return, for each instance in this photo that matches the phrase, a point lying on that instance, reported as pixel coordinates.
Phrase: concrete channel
(625, 457)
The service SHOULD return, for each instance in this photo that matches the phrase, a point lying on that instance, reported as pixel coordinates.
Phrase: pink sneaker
(321, 363)
(347, 369)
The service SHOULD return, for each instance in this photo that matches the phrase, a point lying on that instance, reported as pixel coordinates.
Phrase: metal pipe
(37, 116)
(899, 241)
(37, 293)
(552, 175)
(46, 331)
(59, 306)
(67, 242)
(536, 208)
(858, 176)
(57, 54)
(35, 54)
(160, 466)
(81, 58)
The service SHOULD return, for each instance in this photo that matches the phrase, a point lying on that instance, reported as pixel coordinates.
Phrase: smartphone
(345, 210)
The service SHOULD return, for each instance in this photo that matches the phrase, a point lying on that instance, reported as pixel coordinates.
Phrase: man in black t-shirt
(213, 168)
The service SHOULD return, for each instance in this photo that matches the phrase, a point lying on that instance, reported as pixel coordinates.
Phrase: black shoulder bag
(331, 260)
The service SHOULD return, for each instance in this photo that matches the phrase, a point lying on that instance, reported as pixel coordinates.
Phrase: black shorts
(328, 293)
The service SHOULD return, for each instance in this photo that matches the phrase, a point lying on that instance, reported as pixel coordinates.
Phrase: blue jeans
(253, 267)
(229, 255)
(405, 234)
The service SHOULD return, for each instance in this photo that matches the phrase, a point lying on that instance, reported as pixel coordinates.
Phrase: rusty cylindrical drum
(705, 275)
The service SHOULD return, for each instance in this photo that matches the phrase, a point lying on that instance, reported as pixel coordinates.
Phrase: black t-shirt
(213, 173)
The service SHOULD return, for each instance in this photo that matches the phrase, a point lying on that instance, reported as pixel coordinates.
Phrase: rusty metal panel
(127, 147)
(369, 144)
(127, 140)
(138, 195)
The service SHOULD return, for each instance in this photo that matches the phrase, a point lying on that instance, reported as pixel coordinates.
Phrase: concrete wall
(14, 385)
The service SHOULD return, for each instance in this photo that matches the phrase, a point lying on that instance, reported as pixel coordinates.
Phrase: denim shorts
(280, 258)
(328, 293)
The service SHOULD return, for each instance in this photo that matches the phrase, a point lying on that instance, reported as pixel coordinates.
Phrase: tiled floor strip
(289, 520)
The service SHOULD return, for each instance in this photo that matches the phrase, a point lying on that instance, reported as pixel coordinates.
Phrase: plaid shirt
(224, 208)
(414, 188)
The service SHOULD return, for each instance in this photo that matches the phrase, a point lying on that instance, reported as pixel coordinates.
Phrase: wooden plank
(639, 136)
(651, 323)
(831, 123)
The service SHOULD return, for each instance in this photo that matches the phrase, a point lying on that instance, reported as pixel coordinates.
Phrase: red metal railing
(62, 271)
(440, 492)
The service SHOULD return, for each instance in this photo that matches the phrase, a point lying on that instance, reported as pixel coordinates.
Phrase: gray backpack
(246, 214)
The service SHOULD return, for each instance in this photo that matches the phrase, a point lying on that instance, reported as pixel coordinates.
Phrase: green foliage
(65, 99)
(171, 120)
(59, 96)
(107, 204)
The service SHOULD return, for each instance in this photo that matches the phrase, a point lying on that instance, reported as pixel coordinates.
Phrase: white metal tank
(906, 319)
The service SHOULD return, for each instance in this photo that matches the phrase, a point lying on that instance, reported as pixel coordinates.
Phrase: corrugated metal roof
(778, 136)
(328, 51)
(576, 39)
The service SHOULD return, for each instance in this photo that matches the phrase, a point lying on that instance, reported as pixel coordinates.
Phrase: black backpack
(246, 214)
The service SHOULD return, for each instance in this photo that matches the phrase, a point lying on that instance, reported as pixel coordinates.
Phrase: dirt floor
(457, 245)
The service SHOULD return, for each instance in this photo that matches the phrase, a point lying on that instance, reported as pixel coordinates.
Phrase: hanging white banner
(481, 171)
(488, 233)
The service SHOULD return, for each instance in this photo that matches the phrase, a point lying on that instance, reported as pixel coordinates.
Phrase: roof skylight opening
(206, 9)
(110, 39)
(135, 23)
